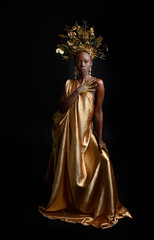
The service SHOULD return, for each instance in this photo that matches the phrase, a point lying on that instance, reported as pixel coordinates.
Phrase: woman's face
(83, 63)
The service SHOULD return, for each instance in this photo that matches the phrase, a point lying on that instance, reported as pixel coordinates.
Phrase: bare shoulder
(99, 81)
(100, 84)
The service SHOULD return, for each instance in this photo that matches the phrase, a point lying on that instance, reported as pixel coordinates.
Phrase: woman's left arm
(98, 114)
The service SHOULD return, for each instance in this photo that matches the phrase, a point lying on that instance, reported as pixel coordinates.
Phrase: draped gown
(83, 188)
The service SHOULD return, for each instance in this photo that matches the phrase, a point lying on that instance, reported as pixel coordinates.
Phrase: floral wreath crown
(81, 38)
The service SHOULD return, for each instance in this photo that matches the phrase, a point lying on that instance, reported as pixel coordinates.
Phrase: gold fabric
(84, 188)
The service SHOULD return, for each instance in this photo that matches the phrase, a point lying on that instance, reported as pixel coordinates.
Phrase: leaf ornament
(80, 38)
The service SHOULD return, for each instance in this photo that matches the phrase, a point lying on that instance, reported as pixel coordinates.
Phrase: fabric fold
(84, 187)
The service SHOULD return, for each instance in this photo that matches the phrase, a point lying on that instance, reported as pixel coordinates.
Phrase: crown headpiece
(81, 38)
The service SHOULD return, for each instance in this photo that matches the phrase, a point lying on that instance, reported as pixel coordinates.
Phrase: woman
(83, 188)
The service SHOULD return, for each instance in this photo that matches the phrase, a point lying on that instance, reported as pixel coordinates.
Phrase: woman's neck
(82, 77)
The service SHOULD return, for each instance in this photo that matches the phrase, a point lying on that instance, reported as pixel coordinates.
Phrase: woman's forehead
(83, 56)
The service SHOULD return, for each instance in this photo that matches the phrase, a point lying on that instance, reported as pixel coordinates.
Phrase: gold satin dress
(83, 188)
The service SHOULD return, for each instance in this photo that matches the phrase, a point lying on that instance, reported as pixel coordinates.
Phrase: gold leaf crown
(80, 38)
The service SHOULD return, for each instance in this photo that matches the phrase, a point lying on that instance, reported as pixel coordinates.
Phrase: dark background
(31, 82)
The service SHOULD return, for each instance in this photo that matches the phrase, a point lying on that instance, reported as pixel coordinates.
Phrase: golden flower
(80, 31)
(87, 42)
(59, 50)
(91, 30)
(92, 34)
(70, 43)
(74, 28)
(71, 34)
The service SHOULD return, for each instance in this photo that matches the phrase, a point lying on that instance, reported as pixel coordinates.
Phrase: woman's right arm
(66, 103)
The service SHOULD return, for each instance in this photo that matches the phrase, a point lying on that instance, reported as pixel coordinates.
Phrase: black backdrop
(33, 74)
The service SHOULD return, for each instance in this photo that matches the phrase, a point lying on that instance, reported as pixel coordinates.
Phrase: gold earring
(75, 72)
(90, 70)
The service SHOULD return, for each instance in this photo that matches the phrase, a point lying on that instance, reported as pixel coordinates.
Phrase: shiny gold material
(80, 38)
(84, 188)
(75, 72)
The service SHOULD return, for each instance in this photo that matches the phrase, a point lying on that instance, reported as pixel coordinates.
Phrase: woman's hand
(102, 146)
(89, 86)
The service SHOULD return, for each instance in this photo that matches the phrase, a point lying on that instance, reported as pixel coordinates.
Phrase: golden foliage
(80, 38)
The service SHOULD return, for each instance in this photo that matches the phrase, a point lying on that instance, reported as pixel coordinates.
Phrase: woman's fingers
(88, 90)
(92, 90)
(92, 86)
(90, 82)
(89, 86)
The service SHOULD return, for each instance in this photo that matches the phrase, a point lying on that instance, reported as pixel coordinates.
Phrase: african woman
(83, 187)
